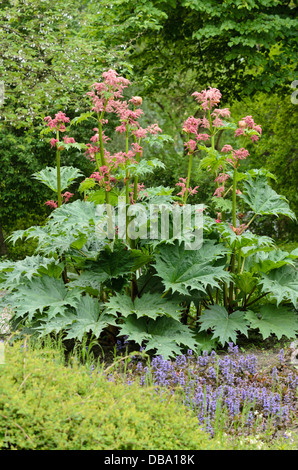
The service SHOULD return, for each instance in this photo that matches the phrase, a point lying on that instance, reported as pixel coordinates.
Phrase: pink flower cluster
(58, 122)
(219, 191)
(67, 140)
(65, 198)
(248, 123)
(105, 95)
(227, 148)
(217, 114)
(190, 145)
(208, 98)
(53, 142)
(222, 177)
(191, 126)
(93, 149)
(104, 178)
(182, 184)
(236, 155)
(141, 192)
(137, 148)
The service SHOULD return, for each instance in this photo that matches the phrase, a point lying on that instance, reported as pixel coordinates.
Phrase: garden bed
(265, 368)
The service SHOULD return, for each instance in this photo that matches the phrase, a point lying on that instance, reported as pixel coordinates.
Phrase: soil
(268, 351)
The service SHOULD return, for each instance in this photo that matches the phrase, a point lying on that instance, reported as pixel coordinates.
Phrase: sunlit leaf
(48, 176)
(263, 200)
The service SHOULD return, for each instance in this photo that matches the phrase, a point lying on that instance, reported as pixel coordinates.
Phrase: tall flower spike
(58, 122)
(248, 123)
(208, 98)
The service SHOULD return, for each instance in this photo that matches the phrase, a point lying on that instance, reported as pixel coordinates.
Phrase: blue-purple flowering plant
(228, 393)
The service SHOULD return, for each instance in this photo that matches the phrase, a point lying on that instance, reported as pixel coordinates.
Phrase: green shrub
(23, 248)
(45, 405)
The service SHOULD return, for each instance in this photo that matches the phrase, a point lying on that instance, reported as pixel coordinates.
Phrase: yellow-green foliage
(46, 405)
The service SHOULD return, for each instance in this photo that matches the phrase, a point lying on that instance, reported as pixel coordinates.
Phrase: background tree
(239, 46)
(46, 61)
(50, 56)
(47, 64)
(247, 49)
(276, 151)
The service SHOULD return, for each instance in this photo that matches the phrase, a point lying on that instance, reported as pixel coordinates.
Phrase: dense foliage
(45, 58)
(96, 269)
(45, 62)
(277, 153)
(241, 46)
(51, 401)
(149, 214)
(49, 56)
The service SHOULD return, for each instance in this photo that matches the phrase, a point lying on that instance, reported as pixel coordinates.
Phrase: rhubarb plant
(119, 258)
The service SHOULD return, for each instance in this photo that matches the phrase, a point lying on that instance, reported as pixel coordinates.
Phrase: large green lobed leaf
(223, 325)
(184, 270)
(263, 200)
(281, 284)
(48, 176)
(280, 321)
(149, 305)
(40, 293)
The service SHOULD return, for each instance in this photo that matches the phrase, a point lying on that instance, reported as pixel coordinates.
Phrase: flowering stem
(135, 187)
(251, 220)
(102, 155)
(211, 130)
(136, 180)
(234, 221)
(188, 177)
(234, 199)
(58, 173)
(127, 183)
(103, 163)
(59, 201)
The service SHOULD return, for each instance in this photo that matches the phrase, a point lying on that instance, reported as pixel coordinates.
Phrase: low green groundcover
(45, 405)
